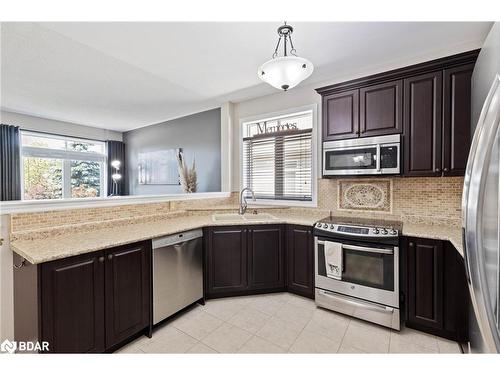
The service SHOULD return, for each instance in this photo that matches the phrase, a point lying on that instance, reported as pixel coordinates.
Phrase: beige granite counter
(46, 249)
(61, 245)
(438, 232)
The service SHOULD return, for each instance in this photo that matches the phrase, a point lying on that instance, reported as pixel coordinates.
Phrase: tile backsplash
(48, 219)
(430, 200)
(365, 195)
(414, 199)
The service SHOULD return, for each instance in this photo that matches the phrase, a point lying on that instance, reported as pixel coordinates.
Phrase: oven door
(369, 272)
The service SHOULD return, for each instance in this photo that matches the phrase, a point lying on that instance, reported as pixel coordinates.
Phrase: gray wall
(487, 65)
(198, 135)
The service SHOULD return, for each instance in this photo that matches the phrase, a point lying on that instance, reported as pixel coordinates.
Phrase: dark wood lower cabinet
(266, 260)
(456, 303)
(127, 291)
(436, 289)
(300, 260)
(242, 260)
(72, 304)
(425, 283)
(225, 261)
(92, 302)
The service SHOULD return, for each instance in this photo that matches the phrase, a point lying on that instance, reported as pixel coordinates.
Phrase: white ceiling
(122, 76)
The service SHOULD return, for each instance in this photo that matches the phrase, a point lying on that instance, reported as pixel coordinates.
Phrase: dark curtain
(116, 151)
(10, 164)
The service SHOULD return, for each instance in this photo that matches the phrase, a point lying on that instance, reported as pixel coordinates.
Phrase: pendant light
(287, 71)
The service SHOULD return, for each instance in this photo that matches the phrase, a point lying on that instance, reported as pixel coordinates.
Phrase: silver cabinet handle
(378, 158)
(353, 302)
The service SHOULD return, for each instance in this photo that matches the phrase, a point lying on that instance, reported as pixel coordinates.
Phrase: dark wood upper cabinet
(456, 119)
(72, 304)
(430, 103)
(300, 260)
(266, 260)
(425, 284)
(226, 260)
(341, 116)
(127, 291)
(423, 125)
(381, 109)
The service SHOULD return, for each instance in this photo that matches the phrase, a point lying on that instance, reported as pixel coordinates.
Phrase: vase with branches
(187, 176)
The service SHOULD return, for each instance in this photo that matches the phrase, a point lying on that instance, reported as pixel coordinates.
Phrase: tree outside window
(55, 168)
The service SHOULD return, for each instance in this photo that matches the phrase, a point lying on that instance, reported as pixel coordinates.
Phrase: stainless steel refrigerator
(480, 202)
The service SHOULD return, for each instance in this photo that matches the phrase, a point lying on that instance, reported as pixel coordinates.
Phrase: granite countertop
(43, 250)
(438, 232)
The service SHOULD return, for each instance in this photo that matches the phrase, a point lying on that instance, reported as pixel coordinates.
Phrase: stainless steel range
(357, 269)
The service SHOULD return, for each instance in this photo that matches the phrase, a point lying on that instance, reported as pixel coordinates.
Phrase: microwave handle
(362, 248)
(378, 157)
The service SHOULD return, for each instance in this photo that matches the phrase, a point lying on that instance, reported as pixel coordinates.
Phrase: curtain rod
(62, 135)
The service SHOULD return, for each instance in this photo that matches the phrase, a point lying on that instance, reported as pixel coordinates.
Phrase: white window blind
(277, 165)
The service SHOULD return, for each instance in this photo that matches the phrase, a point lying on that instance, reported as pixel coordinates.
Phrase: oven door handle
(362, 248)
(368, 249)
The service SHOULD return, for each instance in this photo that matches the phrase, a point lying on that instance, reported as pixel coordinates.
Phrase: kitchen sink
(243, 218)
(258, 217)
(227, 217)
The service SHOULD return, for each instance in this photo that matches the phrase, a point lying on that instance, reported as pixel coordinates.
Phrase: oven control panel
(357, 231)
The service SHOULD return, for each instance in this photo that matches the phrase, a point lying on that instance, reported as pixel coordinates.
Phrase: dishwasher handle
(177, 238)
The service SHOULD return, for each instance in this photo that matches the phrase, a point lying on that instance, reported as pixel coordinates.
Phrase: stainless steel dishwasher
(177, 273)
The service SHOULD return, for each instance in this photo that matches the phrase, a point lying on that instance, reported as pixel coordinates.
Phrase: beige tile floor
(279, 323)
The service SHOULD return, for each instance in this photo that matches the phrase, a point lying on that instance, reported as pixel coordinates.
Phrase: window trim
(314, 147)
(66, 157)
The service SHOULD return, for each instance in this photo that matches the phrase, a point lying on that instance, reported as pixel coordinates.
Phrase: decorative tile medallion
(365, 195)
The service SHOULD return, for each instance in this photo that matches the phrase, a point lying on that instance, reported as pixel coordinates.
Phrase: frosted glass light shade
(285, 72)
(116, 176)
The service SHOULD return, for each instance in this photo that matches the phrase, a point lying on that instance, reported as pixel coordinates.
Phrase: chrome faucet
(243, 200)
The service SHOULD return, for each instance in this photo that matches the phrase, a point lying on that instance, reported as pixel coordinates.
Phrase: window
(278, 157)
(56, 167)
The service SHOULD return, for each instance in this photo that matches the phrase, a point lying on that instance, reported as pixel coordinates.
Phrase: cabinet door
(266, 265)
(128, 292)
(457, 119)
(423, 125)
(456, 296)
(425, 284)
(72, 304)
(300, 260)
(341, 115)
(226, 261)
(381, 109)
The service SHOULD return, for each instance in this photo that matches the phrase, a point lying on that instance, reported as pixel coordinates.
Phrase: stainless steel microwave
(362, 156)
